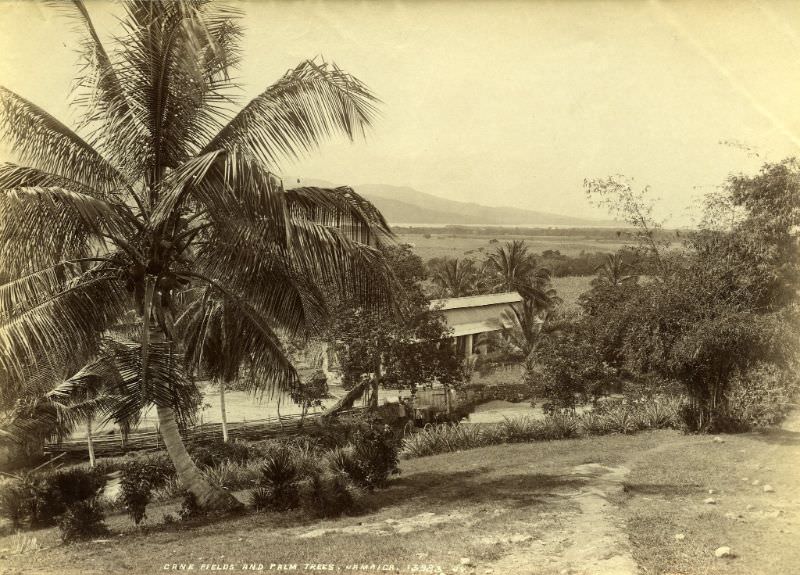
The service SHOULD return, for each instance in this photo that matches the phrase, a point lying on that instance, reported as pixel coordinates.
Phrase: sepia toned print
(411, 287)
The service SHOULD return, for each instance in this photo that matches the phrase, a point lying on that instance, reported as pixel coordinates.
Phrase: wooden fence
(110, 445)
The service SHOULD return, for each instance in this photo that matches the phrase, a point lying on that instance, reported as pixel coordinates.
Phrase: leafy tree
(720, 308)
(164, 193)
(398, 348)
(635, 208)
(310, 393)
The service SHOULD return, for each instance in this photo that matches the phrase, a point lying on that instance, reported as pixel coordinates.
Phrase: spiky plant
(162, 191)
(455, 277)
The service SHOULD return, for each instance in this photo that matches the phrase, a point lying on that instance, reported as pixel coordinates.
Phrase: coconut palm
(455, 277)
(162, 189)
(613, 272)
(513, 268)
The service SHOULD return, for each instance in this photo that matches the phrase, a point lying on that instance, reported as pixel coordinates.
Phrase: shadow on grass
(474, 488)
(471, 488)
(778, 437)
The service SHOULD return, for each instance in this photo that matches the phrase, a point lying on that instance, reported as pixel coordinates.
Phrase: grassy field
(570, 288)
(505, 509)
(449, 243)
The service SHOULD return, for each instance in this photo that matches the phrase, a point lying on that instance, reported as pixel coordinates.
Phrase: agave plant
(161, 190)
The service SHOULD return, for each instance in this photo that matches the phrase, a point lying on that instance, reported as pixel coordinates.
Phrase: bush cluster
(327, 482)
(218, 452)
(82, 520)
(609, 417)
(40, 499)
(139, 478)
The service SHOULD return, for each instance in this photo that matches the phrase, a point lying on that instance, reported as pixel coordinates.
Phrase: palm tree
(211, 331)
(167, 191)
(513, 268)
(613, 272)
(455, 277)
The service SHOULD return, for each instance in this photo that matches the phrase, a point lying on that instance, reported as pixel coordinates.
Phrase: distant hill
(404, 205)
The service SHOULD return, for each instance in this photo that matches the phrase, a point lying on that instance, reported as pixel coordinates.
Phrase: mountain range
(404, 205)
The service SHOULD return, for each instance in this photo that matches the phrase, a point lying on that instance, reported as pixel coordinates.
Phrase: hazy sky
(509, 103)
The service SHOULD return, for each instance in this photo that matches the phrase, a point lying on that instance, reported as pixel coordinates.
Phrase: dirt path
(590, 542)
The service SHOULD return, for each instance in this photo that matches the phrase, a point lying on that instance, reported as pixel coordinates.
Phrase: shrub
(260, 499)
(621, 420)
(519, 429)
(279, 477)
(374, 457)
(567, 370)
(139, 478)
(443, 438)
(82, 520)
(39, 499)
(329, 494)
(74, 484)
(14, 502)
(762, 396)
(560, 426)
(232, 475)
(660, 412)
(698, 419)
(218, 452)
(594, 424)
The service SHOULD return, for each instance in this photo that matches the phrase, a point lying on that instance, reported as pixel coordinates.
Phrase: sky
(508, 103)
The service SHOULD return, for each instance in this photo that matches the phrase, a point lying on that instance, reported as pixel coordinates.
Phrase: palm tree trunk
(89, 442)
(222, 409)
(208, 496)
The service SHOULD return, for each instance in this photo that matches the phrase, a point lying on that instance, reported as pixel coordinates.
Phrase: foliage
(14, 503)
(39, 499)
(309, 394)
(513, 268)
(398, 348)
(82, 520)
(454, 277)
(279, 482)
(139, 478)
(190, 508)
(216, 452)
(567, 371)
(371, 457)
(607, 417)
(719, 308)
(763, 395)
(329, 494)
(231, 475)
(160, 203)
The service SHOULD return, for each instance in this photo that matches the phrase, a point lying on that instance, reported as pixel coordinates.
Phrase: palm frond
(174, 62)
(22, 293)
(341, 208)
(230, 320)
(41, 226)
(67, 324)
(313, 101)
(265, 277)
(44, 142)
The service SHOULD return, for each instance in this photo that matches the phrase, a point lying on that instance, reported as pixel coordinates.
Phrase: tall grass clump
(442, 439)
(609, 417)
